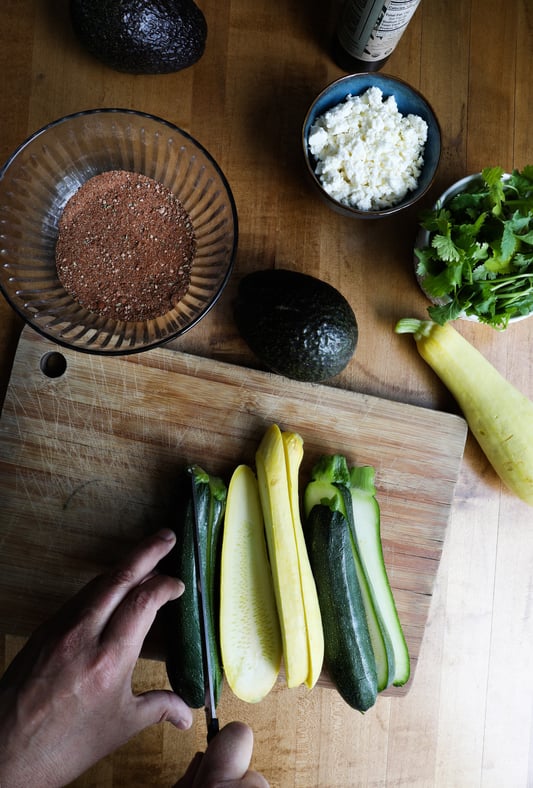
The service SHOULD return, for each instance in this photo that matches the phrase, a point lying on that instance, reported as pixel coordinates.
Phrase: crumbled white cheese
(369, 155)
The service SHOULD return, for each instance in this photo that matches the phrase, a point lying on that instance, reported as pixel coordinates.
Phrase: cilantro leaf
(493, 178)
(446, 248)
(479, 256)
(436, 221)
(442, 314)
(509, 243)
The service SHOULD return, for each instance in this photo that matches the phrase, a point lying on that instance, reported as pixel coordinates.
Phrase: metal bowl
(48, 168)
(408, 101)
(423, 239)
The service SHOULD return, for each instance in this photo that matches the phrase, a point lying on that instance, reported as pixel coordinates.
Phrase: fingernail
(166, 534)
(183, 724)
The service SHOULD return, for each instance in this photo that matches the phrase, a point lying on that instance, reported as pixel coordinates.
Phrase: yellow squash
(499, 416)
(293, 445)
(250, 638)
(294, 586)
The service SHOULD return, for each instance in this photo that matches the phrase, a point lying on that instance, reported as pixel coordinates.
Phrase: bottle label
(370, 30)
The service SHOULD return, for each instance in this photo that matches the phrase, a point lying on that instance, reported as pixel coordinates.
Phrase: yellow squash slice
(300, 625)
(250, 638)
(294, 451)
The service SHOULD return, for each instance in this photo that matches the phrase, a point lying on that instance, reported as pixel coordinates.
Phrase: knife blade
(209, 684)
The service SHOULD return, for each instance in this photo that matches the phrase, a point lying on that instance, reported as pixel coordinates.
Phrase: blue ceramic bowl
(408, 101)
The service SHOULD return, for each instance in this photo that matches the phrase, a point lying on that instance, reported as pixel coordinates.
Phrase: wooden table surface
(467, 719)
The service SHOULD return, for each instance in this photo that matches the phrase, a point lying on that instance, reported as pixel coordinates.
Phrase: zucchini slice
(337, 498)
(250, 638)
(352, 492)
(367, 531)
(349, 656)
(202, 496)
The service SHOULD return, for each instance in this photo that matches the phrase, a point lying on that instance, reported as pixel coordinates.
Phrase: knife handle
(212, 728)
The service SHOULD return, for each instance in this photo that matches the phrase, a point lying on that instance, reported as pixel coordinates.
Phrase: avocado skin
(296, 324)
(141, 36)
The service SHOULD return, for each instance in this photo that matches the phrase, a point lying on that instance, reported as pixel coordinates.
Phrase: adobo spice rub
(125, 247)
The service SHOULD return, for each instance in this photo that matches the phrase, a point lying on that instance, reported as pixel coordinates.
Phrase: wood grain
(89, 461)
(466, 719)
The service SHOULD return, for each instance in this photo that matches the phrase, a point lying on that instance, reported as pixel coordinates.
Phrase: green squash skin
(381, 641)
(210, 512)
(348, 656)
(296, 324)
(184, 660)
(141, 36)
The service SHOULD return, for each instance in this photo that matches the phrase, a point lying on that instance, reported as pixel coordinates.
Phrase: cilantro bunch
(479, 260)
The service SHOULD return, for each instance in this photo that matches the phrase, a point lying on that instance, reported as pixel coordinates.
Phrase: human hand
(225, 764)
(66, 700)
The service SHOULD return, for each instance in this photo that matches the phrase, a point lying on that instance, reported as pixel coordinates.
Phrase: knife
(209, 685)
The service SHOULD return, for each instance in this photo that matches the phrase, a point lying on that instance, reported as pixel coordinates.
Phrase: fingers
(230, 752)
(109, 590)
(187, 780)
(132, 619)
(228, 757)
(160, 706)
(251, 780)
(225, 763)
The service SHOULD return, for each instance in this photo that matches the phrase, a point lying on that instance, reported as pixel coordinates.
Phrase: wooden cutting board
(89, 458)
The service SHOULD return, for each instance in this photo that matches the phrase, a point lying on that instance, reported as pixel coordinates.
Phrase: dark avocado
(297, 325)
(141, 36)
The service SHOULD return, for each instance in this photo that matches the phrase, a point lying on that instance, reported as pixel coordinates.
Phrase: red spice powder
(125, 247)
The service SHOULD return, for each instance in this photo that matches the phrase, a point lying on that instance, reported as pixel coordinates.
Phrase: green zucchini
(352, 491)
(367, 530)
(337, 498)
(348, 653)
(202, 496)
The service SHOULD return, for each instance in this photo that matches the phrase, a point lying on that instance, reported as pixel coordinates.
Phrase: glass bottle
(368, 30)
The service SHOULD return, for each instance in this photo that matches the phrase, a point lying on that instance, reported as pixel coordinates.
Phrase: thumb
(160, 706)
(228, 755)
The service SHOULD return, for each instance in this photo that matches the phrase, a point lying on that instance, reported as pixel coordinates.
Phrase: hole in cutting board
(53, 364)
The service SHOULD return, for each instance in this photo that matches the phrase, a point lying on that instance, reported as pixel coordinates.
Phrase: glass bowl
(408, 101)
(48, 168)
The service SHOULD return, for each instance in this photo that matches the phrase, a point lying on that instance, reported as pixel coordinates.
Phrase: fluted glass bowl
(47, 169)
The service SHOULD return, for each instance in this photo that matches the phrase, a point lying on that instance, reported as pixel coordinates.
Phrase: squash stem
(410, 325)
(362, 478)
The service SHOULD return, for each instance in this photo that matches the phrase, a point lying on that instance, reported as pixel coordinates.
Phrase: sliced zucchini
(349, 656)
(334, 498)
(367, 529)
(352, 491)
(203, 497)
